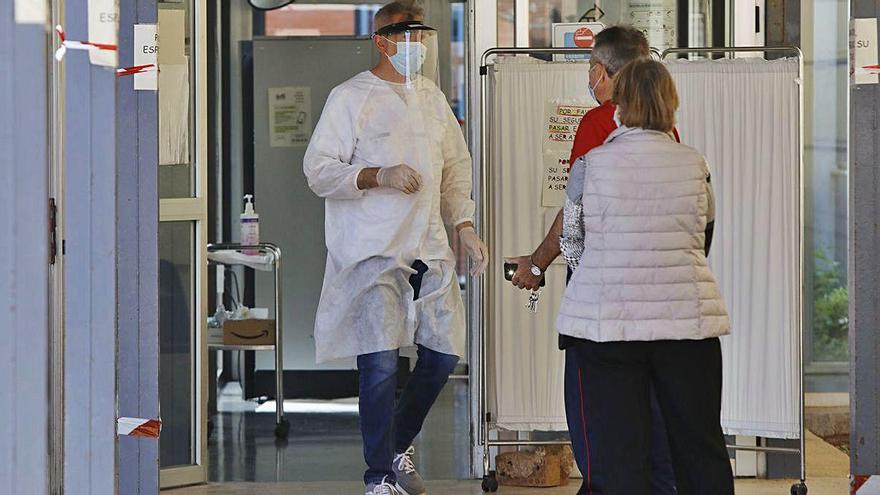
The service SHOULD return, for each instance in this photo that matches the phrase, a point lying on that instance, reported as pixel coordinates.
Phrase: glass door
(182, 243)
(666, 23)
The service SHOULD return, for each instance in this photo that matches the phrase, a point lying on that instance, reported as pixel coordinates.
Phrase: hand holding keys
(509, 271)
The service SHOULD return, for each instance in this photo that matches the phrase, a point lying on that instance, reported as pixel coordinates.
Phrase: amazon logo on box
(249, 332)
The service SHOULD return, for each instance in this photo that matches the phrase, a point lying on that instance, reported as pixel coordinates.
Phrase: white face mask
(617, 117)
(591, 86)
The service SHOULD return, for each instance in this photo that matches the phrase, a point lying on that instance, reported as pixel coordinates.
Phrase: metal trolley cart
(282, 426)
(484, 422)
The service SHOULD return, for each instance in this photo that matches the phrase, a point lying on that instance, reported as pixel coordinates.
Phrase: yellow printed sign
(561, 123)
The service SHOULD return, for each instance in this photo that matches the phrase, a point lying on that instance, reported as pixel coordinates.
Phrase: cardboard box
(249, 332)
(543, 467)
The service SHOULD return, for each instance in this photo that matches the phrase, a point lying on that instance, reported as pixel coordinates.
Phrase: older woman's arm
(572, 241)
(710, 217)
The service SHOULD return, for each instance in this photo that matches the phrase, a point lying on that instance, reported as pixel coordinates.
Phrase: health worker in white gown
(389, 157)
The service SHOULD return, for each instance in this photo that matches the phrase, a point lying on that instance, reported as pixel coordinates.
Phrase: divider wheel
(490, 482)
(282, 429)
(799, 489)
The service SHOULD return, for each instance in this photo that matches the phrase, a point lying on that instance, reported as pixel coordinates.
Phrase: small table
(270, 260)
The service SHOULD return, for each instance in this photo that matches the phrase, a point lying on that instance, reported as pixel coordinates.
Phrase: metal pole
(484, 301)
(522, 443)
(279, 337)
(745, 448)
(524, 51)
(738, 49)
(801, 271)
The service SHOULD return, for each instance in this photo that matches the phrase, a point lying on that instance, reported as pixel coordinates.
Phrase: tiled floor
(823, 486)
(328, 446)
(245, 459)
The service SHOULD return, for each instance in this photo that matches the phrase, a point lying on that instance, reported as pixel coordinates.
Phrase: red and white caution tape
(137, 69)
(865, 485)
(867, 70)
(67, 44)
(139, 427)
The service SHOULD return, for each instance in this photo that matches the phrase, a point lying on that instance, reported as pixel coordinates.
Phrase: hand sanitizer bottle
(250, 225)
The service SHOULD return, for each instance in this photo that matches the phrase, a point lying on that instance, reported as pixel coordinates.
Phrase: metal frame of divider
(487, 228)
(486, 291)
(801, 487)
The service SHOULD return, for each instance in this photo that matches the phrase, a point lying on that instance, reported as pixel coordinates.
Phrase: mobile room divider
(768, 175)
(518, 368)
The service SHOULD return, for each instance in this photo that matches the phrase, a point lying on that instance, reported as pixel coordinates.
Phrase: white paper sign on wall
(290, 116)
(555, 179)
(30, 11)
(146, 51)
(865, 52)
(104, 28)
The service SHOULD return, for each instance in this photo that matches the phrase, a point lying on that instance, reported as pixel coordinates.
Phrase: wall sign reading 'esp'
(103, 28)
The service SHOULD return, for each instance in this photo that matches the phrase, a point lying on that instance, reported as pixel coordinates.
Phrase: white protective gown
(374, 236)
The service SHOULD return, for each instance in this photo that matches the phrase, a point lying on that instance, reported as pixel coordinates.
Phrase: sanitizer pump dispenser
(250, 225)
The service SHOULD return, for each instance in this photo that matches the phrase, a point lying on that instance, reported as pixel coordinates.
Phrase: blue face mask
(409, 57)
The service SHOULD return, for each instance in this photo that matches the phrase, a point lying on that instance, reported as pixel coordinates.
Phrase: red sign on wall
(584, 37)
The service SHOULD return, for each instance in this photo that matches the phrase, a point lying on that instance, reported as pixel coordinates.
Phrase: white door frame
(195, 210)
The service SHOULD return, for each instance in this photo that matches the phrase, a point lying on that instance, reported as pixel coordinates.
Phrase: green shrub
(830, 311)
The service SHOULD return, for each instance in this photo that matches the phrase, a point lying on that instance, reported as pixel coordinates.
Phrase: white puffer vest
(643, 275)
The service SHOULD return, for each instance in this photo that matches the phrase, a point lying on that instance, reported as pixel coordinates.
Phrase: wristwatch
(536, 270)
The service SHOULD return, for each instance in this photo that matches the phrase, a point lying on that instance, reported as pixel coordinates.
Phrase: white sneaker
(383, 488)
(409, 482)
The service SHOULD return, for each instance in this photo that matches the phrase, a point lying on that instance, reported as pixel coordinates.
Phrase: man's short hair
(411, 10)
(617, 46)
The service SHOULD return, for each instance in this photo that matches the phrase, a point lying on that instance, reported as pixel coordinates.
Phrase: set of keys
(532, 305)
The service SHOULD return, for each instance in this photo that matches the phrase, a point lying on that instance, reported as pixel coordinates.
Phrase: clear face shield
(411, 47)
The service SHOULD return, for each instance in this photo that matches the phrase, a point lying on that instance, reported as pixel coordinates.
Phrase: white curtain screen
(743, 114)
(525, 371)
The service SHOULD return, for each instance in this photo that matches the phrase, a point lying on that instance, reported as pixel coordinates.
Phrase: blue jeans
(662, 473)
(387, 430)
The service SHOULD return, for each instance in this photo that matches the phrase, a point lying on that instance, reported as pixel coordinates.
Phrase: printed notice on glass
(657, 19)
(290, 116)
(866, 68)
(555, 179)
(30, 11)
(174, 114)
(561, 122)
(103, 28)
